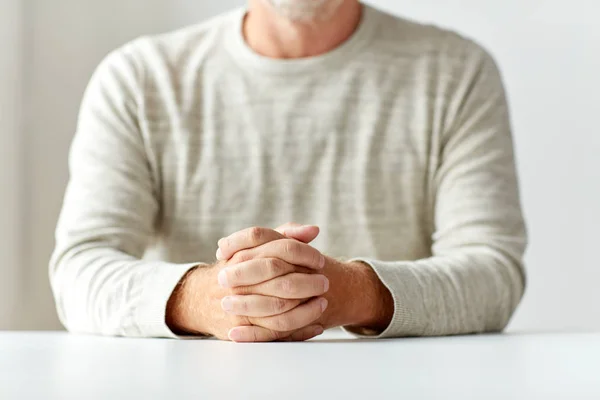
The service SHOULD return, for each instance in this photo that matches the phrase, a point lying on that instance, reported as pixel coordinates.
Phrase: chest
(351, 149)
(349, 121)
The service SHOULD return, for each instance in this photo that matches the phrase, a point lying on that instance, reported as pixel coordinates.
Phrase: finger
(290, 286)
(304, 334)
(290, 251)
(253, 272)
(257, 271)
(245, 239)
(295, 319)
(253, 334)
(256, 334)
(303, 233)
(257, 306)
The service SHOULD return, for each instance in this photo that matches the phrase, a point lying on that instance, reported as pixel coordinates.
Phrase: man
(392, 137)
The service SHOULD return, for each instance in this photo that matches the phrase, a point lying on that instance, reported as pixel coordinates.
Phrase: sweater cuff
(409, 317)
(159, 285)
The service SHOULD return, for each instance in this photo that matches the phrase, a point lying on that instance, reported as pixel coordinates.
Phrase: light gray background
(548, 52)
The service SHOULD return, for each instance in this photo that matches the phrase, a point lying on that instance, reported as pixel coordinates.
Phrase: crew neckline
(244, 55)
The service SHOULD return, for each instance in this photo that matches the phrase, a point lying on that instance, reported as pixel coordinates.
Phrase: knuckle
(274, 267)
(279, 305)
(290, 247)
(243, 306)
(255, 234)
(236, 274)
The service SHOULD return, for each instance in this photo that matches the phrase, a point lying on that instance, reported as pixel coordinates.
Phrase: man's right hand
(271, 282)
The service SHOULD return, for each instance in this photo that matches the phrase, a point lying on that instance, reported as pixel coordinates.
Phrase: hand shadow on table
(343, 340)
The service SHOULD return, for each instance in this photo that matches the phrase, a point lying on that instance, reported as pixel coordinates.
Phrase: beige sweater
(397, 144)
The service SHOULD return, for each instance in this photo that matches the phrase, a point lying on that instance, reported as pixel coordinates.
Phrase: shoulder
(178, 46)
(447, 48)
(168, 53)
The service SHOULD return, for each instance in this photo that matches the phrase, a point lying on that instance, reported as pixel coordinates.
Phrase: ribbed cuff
(409, 312)
(158, 288)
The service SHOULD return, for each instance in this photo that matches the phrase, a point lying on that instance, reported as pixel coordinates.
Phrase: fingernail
(325, 284)
(322, 262)
(220, 255)
(221, 242)
(318, 331)
(324, 304)
(223, 278)
(227, 304)
(235, 335)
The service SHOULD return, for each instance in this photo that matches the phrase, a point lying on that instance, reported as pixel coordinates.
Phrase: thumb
(302, 233)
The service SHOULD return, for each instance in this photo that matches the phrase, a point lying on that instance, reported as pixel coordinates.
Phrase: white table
(530, 366)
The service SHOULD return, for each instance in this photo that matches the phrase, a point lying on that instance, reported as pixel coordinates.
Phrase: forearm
(104, 291)
(470, 292)
(375, 304)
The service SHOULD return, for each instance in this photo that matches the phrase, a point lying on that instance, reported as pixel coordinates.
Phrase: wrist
(185, 305)
(374, 309)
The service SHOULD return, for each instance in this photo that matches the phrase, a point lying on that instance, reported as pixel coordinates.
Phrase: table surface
(510, 366)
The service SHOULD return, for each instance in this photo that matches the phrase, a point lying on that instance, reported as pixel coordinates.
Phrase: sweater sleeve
(100, 282)
(474, 279)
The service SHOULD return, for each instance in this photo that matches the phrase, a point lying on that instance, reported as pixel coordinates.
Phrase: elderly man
(390, 138)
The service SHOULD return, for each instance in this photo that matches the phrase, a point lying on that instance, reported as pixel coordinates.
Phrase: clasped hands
(271, 285)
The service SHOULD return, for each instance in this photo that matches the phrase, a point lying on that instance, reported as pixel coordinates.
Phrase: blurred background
(549, 53)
